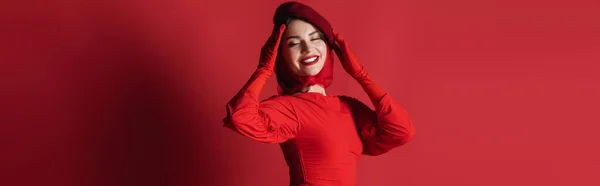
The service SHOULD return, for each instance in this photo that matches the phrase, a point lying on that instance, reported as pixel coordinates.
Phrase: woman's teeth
(310, 60)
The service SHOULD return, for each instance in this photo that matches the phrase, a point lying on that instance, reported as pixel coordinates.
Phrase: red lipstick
(310, 60)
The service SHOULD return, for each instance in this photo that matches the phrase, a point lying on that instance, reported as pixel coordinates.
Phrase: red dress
(322, 137)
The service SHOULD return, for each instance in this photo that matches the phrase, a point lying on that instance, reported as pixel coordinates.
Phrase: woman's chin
(310, 72)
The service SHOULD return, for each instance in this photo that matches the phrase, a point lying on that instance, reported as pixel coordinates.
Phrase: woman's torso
(327, 146)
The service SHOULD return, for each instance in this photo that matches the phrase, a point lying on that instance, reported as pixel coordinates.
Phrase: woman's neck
(314, 88)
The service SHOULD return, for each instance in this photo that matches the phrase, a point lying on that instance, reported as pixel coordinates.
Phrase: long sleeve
(382, 129)
(271, 121)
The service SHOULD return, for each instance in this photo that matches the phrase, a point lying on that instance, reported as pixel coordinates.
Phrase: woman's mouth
(309, 60)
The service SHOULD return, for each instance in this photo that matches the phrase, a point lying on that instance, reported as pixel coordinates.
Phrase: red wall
(132, 93)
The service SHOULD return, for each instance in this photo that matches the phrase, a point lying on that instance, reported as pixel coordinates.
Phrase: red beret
(303, 12)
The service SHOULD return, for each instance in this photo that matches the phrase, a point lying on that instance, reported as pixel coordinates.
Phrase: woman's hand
(268, 53)
(356, 70)
(347, 58)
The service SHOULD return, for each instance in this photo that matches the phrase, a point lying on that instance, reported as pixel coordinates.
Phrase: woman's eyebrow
(298, 37)
(290, 37)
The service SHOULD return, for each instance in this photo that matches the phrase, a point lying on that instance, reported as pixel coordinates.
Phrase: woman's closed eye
(293, 44)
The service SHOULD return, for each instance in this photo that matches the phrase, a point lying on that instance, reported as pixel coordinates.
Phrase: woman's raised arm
(382, 129)
(271, 121)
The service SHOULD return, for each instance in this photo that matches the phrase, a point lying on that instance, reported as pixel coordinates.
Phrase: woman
(321, 136)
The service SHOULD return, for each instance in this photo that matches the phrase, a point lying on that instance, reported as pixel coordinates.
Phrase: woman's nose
(306, 47)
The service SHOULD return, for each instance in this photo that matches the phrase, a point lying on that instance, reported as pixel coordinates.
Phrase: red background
(132, 93)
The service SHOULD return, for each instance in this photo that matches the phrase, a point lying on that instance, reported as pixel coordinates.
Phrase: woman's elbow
(399, 139)
(227, 122)
(252, 130)
(235, 118)
(404, 135)
(384, 145)
(403, 139)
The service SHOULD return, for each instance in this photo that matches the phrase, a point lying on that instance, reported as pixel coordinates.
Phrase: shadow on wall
(142, 118)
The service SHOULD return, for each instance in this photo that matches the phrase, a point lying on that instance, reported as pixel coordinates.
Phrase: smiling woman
(321, 136)
(304, 48)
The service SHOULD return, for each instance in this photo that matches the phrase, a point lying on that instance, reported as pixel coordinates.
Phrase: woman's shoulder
(347, 99)
(292, 99)
(277, 99)
(351, 101)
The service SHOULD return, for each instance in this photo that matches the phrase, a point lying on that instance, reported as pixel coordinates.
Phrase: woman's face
(303, 48)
